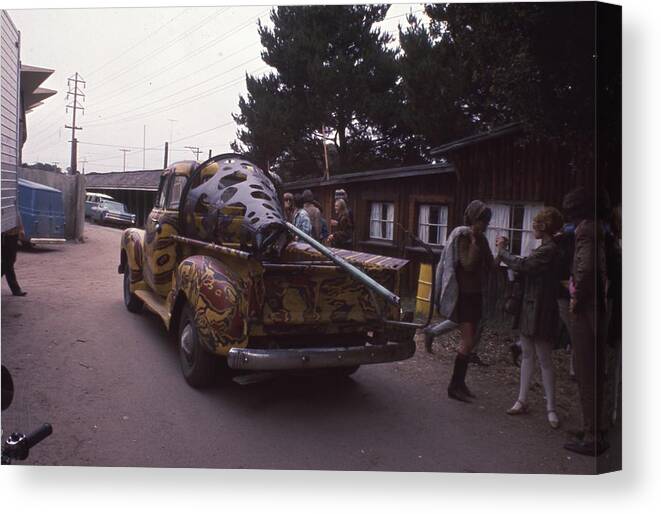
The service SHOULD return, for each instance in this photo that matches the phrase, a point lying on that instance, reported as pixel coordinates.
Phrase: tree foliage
(471, 67)
(434, 83)
(333, 68)
(528, 62)
(45, 166)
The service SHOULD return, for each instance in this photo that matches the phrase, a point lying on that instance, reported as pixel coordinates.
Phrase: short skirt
(469, 308)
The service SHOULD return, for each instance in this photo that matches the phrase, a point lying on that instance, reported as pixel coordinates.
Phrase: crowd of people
(573, 276)
(306, 214)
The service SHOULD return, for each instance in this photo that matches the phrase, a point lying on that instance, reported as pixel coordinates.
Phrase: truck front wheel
(197, 363)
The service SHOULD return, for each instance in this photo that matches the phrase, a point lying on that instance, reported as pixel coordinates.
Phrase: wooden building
(516, 178)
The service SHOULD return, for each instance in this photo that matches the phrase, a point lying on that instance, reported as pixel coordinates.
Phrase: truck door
(160, 256)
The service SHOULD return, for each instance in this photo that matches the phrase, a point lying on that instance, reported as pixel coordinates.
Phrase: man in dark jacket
(587, 312)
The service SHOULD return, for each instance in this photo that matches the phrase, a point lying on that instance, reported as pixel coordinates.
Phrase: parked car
(233, 281)
(112, 212)
(93, 200)
(42, 212)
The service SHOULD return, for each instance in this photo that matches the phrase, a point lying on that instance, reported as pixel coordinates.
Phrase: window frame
(524, 204)
(370, 220)
(431, 203)
(161, 194)
(170, 186)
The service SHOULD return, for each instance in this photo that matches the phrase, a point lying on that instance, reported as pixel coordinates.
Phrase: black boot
(456, 388)
(429, 339)
(462, 385)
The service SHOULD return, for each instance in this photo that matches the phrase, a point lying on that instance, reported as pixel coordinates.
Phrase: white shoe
(518, 408)
(553, 419)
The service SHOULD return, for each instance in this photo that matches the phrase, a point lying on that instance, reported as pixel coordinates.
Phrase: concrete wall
(73, 197)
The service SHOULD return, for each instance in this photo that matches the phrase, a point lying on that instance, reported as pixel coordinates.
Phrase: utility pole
(323, 142)
(84, 162)
(209, 153)
(165, 159)
(72, 83)
(124, 150)
(144, 140)
(172, 122)
(196, 150)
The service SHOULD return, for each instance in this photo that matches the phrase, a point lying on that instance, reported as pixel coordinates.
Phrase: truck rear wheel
(197, 363)
(344, 371)
(131, 301)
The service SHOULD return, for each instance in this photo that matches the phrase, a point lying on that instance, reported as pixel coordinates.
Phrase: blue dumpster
(42, 212)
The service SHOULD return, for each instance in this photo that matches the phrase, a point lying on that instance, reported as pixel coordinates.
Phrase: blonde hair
(342, 204)
(551, 218)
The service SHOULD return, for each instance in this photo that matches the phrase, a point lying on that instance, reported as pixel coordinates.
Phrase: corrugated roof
(142, 180)
(366, 176)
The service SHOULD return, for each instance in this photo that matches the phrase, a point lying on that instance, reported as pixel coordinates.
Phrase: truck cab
(232, 281)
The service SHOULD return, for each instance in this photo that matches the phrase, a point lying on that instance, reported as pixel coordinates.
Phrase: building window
(433, 223)
(513, 221)
(382, 220)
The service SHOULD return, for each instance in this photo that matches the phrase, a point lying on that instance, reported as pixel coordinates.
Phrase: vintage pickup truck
(233, 281)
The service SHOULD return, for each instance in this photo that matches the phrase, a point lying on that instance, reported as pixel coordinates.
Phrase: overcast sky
(178, 71)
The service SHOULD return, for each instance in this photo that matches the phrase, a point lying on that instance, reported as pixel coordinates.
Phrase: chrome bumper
(116, 219)
(309, 358)
(47, 240)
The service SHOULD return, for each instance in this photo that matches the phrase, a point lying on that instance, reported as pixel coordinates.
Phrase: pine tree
(333, 68)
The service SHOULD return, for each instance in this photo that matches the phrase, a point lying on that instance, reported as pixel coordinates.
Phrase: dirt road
(109, 382)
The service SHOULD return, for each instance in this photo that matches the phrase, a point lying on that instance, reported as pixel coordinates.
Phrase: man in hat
(313, 212)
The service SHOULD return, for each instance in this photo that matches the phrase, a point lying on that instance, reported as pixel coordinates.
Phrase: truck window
(176, 188)
(162, 190)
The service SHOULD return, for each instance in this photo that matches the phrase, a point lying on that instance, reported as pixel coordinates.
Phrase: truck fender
(131, 256)
(219, 298)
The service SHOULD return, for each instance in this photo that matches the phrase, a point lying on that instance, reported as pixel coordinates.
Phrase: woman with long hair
(288, 201)
(538, 316)
(342, 235)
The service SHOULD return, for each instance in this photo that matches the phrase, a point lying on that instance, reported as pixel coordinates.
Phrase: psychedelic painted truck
(234, 282)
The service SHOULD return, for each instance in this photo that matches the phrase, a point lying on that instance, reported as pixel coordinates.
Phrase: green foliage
(333, 69)
(434, 83)
(471, 68)
(43, 166)
(528, 62)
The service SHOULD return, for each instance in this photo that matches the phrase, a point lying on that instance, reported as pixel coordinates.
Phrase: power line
(196, 150)
(170, 83)
(150, 35)
(184, 90)
(136, 149)
(187, 33)
(167, 69)
(121, 146)
(160, 110)
(43, 130)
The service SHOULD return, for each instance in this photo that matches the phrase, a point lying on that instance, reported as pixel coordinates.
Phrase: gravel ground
(109, 382)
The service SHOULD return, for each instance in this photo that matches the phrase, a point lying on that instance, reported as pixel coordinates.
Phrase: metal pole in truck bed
(389, 296)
